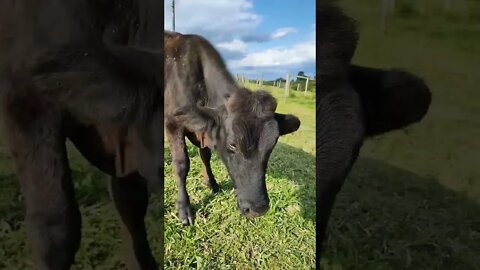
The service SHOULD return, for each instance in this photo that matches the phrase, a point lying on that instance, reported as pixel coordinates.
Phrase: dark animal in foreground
(353, 103)
(204, 103)
(89, 71)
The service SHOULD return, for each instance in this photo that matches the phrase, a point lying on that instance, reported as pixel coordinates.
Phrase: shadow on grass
(286, 162)
(389, 218)
(14, 250)
(295, 165)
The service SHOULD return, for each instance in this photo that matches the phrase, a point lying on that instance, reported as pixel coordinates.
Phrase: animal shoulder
(176, 44)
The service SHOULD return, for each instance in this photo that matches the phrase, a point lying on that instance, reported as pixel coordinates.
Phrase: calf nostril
(246, 210)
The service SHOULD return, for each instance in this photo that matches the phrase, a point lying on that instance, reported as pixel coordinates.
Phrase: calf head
(244, 131)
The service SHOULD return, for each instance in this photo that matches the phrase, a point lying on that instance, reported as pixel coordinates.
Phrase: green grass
(100, 246)
(412, 200)
(222, 239)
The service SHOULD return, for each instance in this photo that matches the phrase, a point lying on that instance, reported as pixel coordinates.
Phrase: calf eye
(232, 147)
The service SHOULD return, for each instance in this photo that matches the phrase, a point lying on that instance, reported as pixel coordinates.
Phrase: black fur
(353, 103)
(92, 72)
(204, 103)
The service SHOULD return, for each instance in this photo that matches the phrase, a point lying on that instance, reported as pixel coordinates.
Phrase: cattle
(204, 103)
(353, 103)
(90, 72)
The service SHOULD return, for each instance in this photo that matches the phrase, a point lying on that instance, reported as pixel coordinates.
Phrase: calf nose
(249, 209)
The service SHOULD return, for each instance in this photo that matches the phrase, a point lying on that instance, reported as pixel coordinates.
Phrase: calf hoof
(185, 214)
(213, 186)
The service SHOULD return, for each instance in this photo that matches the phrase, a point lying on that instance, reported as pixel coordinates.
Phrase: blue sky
(272, 37)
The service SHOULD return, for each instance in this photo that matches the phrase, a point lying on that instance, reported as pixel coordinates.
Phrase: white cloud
(218, 20)
(235, 45)
(300, 53)
(281, 32)
(232, 27)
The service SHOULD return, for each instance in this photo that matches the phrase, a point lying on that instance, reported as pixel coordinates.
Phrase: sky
(269, 37)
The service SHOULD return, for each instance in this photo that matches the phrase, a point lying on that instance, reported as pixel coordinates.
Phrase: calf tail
(391, 99)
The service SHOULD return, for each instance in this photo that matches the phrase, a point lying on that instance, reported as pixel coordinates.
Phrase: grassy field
(100, 246)
(412, 200)
(222, 239)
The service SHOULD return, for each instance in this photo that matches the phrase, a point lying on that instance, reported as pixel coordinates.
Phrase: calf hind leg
(130, 196)
(206, 155)
(52, 216)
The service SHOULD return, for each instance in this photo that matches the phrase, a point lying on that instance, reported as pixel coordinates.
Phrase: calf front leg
(339, 138)
(52, 216)
(130, 196)
(181, 165)
(206, 155)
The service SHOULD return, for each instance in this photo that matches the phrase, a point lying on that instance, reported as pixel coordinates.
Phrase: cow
(90, 72)
(353, 103)
(204, 103)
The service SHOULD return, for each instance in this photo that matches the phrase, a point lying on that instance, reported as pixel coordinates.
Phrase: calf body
(353, 103)
(77, 70)
(204, 103)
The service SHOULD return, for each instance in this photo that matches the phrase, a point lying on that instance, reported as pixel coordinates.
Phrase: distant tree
(300, 73)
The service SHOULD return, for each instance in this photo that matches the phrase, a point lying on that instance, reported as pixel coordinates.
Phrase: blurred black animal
(204, 103)
(353, 103)
(92, 72)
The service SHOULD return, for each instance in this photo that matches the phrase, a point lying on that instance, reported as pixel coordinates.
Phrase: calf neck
(204, 103)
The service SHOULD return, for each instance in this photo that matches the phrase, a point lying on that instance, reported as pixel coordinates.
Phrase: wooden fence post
(306, 86)
(287, 85)
(447, 5)
(391, 6)
(386, 6)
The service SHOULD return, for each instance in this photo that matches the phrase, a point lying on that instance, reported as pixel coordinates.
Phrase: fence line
(388, 8)
(280, 83)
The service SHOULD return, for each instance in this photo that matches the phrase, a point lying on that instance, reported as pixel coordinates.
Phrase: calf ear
(198, 119)
(287, 123)
(201, 121)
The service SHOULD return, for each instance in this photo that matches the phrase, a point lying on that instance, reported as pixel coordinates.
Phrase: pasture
(100, 246)
(284, 238)
(413, 198)
(220, 239)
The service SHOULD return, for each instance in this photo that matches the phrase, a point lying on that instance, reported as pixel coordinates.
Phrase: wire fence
(299, 83)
